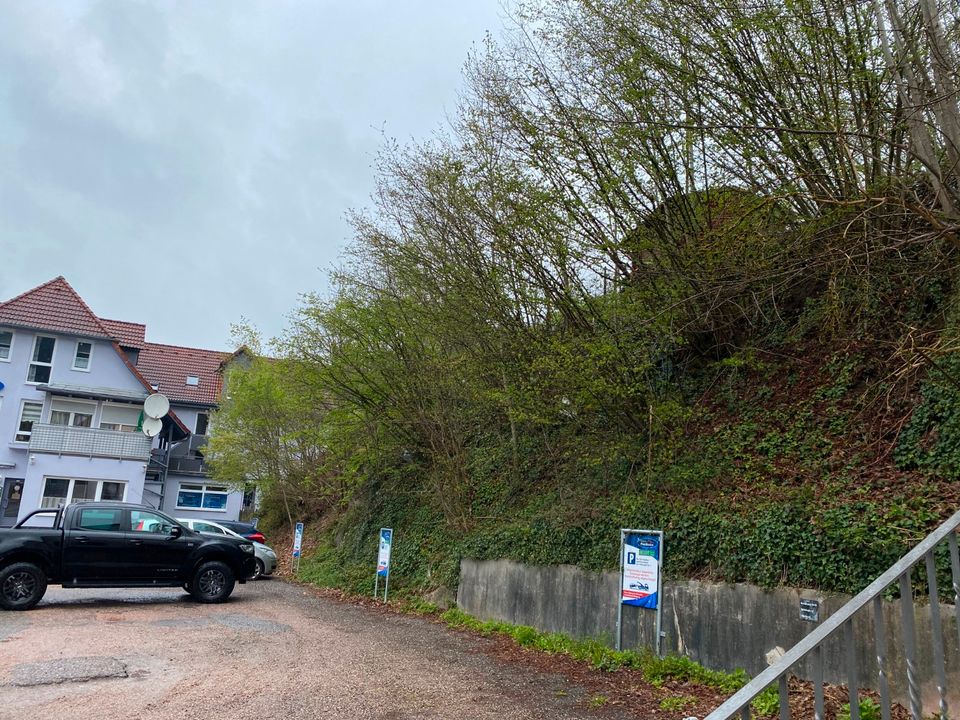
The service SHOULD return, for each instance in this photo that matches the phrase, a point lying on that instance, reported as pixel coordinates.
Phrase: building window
(124, 418)
(81, 358)
(29, 414)
(42, 360)
(55, 491)
(202, 497)
(193, 380)
(59, 491)
(6, 345)
(202, 420)
(110, 490)
(71, 413)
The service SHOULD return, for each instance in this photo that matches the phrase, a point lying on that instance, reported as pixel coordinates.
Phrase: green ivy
(931, 440)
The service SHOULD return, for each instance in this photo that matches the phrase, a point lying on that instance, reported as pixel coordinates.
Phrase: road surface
(276, 650)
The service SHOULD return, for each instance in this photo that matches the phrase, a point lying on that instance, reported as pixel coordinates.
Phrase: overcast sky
(186, 164)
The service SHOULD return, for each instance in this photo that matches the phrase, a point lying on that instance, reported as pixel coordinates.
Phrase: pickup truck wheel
(212, 582)
(21, 586)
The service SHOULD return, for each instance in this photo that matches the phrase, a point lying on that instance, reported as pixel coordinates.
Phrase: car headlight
(247, 548)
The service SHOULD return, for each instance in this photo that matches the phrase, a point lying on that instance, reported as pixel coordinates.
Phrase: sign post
(383, 562)
(641, 582)
(297, 542)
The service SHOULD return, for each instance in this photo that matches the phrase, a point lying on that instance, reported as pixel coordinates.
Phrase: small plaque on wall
(810, 610)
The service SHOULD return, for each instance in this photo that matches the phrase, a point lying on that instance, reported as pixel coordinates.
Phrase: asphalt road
(274, 651)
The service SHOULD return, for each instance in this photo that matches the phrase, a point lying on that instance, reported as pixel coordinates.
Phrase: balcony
(89, 442)
(179, 464)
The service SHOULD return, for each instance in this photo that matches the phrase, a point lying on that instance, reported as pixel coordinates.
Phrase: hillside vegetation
(689, 265)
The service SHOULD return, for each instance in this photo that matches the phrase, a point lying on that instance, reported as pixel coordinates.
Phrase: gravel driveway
(274, 651)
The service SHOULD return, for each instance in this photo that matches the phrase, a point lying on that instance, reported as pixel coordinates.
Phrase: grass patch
(656, 671)
(418, 606)
(676, 703)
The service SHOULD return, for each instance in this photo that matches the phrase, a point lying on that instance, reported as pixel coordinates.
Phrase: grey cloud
(213, 147)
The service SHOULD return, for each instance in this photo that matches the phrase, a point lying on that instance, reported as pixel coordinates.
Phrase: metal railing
(188, 466)
(89, 442)
(842, 621)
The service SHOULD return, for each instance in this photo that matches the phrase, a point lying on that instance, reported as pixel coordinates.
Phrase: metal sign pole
(660, 596)
(623, 534)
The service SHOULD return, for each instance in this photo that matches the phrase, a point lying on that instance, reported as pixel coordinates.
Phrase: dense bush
(656, 273)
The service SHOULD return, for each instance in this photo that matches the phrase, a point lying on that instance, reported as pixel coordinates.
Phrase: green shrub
(767, 703)
(869, 710)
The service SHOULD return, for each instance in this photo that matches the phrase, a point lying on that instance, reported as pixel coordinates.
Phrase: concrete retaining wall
(723, 627)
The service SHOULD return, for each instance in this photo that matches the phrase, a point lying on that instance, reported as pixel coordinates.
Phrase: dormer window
(81, 358)
(193, 380)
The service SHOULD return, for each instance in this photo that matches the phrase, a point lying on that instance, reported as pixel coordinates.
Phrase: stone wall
(721, 626)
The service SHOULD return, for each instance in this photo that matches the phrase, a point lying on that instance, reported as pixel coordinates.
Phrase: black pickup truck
(104, 544)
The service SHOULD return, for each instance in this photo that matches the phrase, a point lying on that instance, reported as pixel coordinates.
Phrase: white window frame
(71, 483)
(36, 341)
(13, 337)
(93, 413)
(76, 354)
(17, 431)
(122, 425)
(206, 488)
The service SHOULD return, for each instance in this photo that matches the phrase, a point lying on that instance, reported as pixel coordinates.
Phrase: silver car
(265, 556)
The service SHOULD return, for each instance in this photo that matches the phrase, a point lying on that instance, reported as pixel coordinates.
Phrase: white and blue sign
(383, 555)
(641, 570)
(297, 539)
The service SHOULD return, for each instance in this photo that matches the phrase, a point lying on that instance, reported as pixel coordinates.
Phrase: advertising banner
(383, 556)
(297, 539)
(641, 570)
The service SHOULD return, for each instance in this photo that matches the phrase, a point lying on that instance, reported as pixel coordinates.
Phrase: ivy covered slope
(655, 273)
(786, 472)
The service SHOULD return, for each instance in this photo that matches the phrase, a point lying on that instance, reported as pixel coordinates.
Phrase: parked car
(266, 558)
(120, 545)
(247, 530)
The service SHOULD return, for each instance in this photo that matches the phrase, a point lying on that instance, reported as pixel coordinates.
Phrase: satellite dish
(152, 426)
(156, 406)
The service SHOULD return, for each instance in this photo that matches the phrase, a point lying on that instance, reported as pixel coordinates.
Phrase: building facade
(72, 387)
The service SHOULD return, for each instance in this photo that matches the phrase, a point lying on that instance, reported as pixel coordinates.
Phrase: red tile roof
(128, 334)
(53, 306)
(169, 366)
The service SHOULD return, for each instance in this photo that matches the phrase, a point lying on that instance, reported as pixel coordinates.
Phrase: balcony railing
(90, 442)
(188, 466)
(178, 465)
